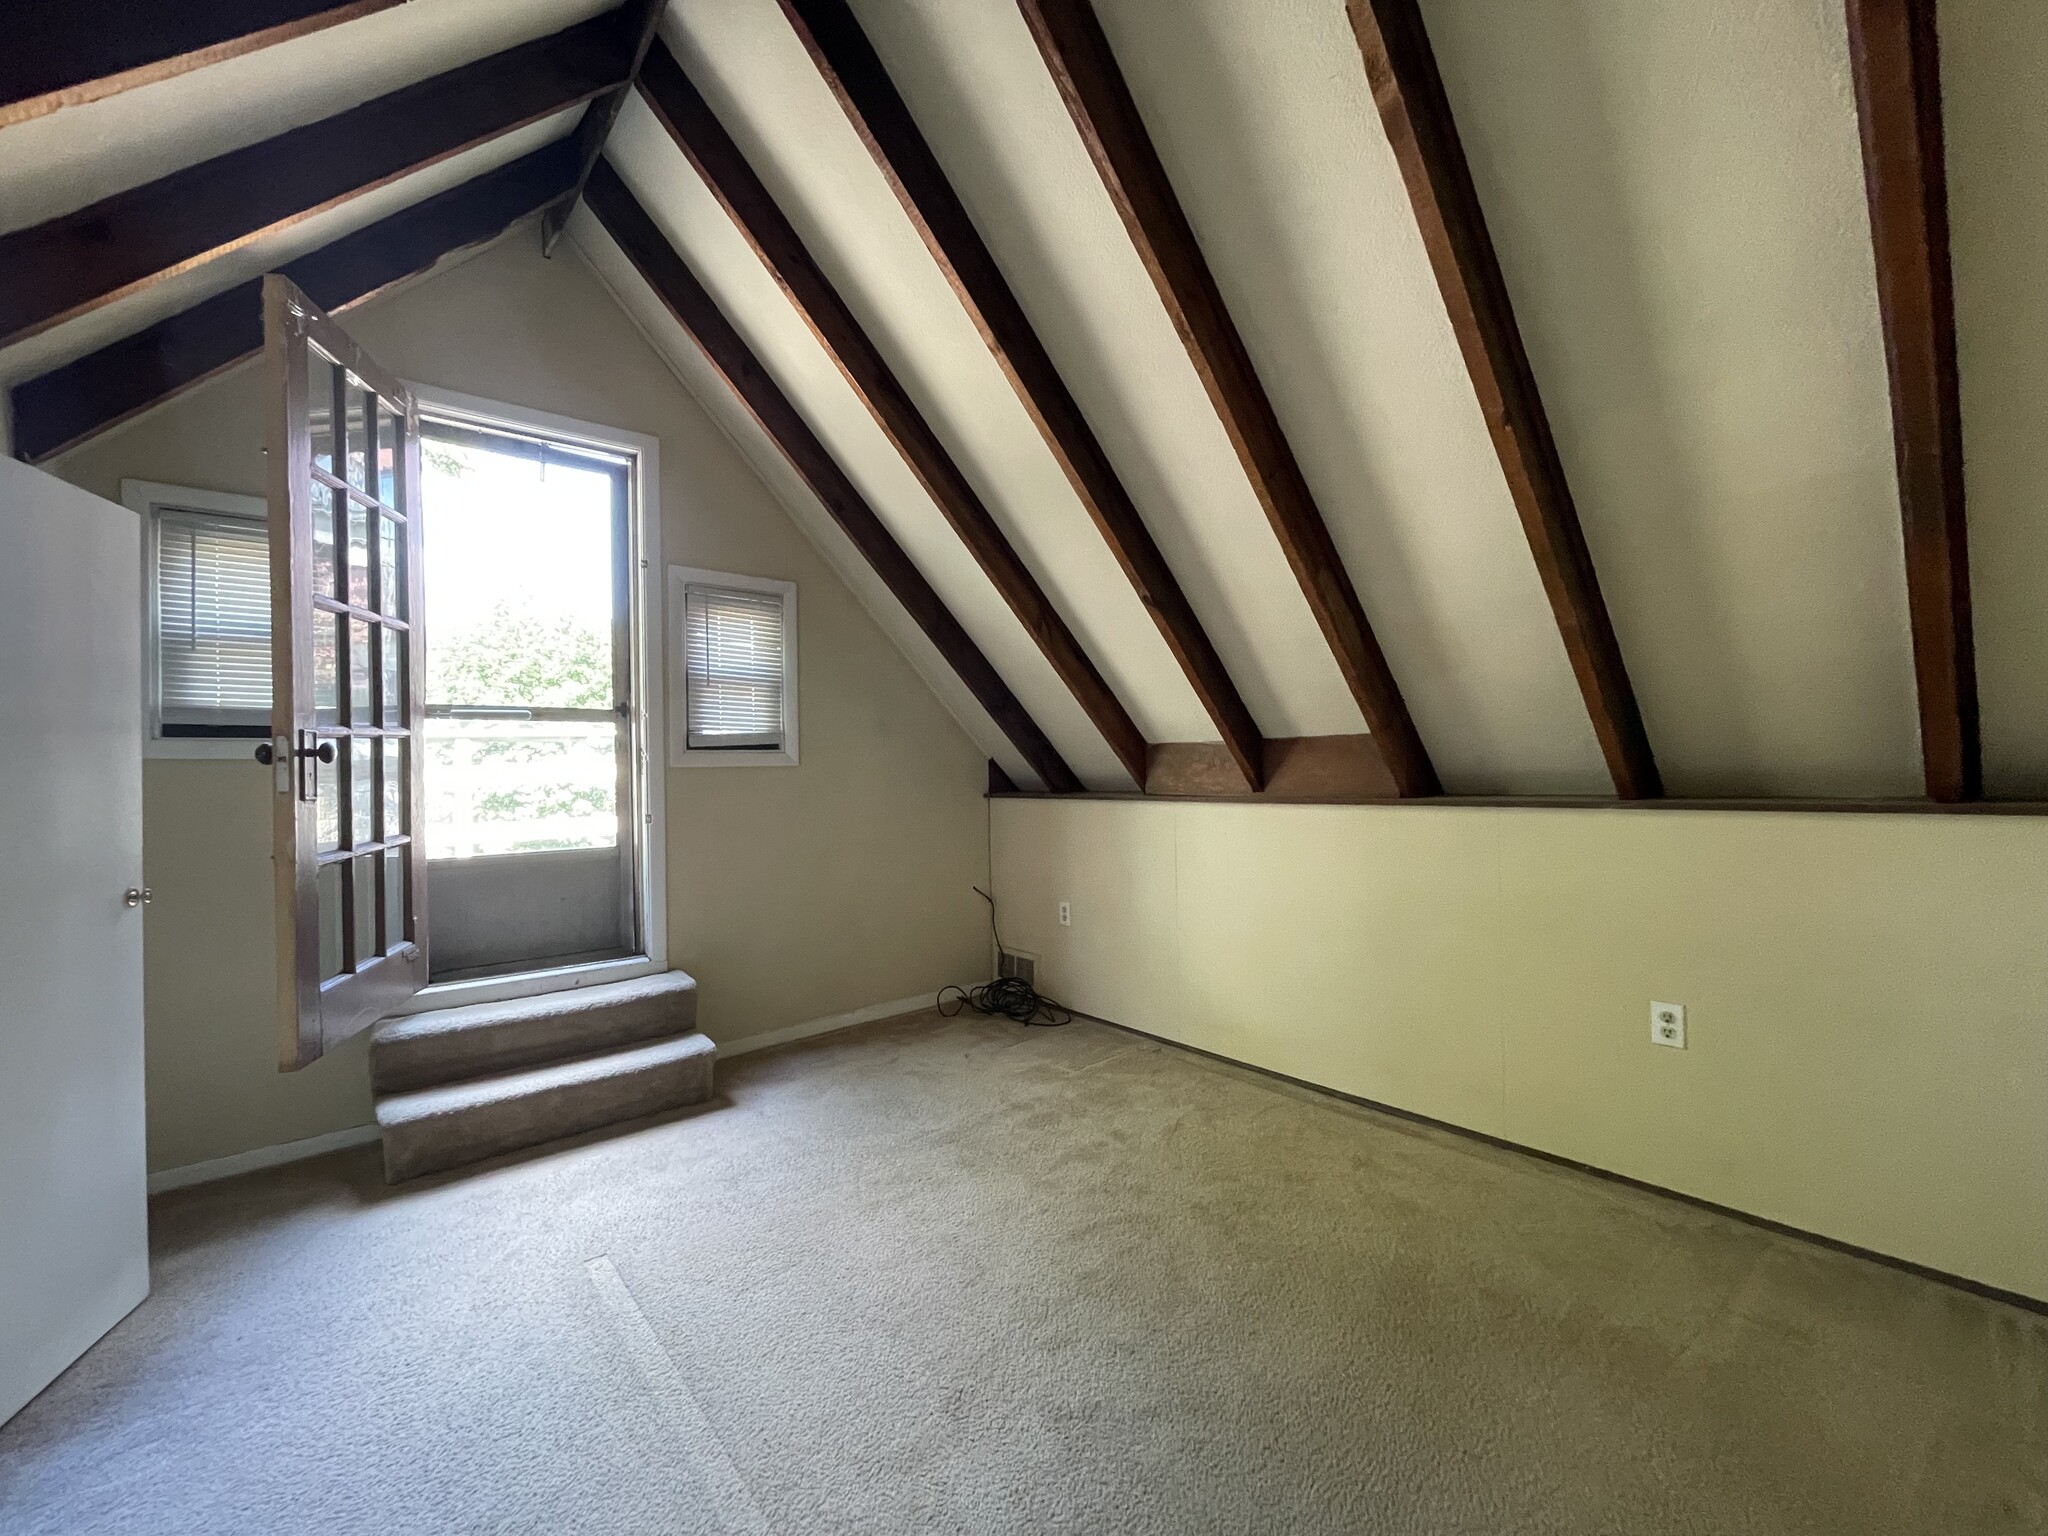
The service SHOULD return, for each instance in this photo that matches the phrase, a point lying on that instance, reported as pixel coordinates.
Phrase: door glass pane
(358, 437)
(326, 664)
(391, 590)
(387, 455)
(358, 554)
(329, 888)
(394, 787)
(362, 791)
(359, 673)
(521, 786)
(320, 407)
(327, 799)
(395, 892)
(323, 540)
(366, 880)
(394, 678)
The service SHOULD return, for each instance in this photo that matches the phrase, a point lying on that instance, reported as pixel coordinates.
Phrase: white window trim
(146, 498)
(680, 753)
(645, 451)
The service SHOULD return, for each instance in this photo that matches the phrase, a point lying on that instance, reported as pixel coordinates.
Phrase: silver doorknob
(137, 896)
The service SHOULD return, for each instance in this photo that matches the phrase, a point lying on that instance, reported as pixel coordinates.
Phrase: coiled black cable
(1009, 997)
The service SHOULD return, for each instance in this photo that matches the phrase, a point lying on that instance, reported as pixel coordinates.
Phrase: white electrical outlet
(1066, 915)
(1667, 1025)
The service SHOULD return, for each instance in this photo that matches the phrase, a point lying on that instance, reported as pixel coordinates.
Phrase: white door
(74, 1253)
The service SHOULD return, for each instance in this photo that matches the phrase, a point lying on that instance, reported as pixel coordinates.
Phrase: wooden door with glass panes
(347, 679)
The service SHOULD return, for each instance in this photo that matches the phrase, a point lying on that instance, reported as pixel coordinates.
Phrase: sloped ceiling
(53, 164)
(1676, 192)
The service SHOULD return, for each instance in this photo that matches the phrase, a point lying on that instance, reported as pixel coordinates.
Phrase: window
(206, 629)
(733, 669)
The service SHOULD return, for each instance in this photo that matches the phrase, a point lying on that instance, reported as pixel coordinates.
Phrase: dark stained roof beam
(855, 74)
(705, 143)
(1894, 56)
(1093, 87)
(694, 309)
(67, 405)
(122, 244)
(65, 53)
(1401, 68)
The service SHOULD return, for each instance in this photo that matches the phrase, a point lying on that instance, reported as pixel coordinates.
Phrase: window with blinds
(212, 604)
(736, 667)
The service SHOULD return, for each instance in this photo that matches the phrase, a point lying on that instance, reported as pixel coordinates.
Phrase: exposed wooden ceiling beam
(596, 126)
(81, 260)
(694, 309)
(1093, 87)
(62, 408)
(1401, 67)
(705, 143)
(854, 72)
(64, 53)
(1895, 58)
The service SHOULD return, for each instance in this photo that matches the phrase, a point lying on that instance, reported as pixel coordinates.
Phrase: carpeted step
(436, 1128)
(447, 1045)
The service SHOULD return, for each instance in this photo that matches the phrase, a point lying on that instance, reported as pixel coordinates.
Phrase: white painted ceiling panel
(984, 102)
(698, 227)
(1263, 120)
(1994, 67)
(67, 159)
(266, 253)
(750, 66)
(675, 347)
(1677, 195)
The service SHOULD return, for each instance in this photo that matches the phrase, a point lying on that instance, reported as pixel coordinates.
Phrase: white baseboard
(259, 1157)
(355, 1136)
(826, 1025)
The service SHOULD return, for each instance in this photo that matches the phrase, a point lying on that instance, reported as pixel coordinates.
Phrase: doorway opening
(536, 827)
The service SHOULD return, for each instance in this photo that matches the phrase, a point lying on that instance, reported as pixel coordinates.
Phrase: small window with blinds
(207, 634)
(736, 642)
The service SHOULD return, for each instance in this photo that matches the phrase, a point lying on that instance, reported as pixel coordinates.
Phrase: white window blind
(213, 620)
(733, 652)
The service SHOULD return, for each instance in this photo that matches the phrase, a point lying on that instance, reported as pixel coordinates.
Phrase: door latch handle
(267, 754)
(311, 751)
(136, 896)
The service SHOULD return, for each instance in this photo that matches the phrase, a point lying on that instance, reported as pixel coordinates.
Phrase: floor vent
(1023, 967)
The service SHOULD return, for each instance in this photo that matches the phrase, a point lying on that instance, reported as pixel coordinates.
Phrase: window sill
(717, 759)
(238, 749)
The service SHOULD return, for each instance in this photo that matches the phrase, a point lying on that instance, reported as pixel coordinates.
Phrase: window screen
(213, 625)
(733, 652)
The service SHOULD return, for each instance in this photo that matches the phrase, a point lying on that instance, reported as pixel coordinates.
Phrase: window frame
(647, 641)
(680, 753)
(148, 499)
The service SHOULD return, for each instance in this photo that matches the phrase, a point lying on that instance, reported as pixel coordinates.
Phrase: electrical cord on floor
(1009, 997)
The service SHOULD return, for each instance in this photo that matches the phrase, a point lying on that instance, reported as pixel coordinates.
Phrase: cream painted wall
(794, 893)
(1867, 995)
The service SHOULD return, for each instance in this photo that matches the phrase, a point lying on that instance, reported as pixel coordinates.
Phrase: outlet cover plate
(1667, 1025)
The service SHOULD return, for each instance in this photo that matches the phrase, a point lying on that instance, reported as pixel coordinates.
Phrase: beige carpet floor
(965, 1277)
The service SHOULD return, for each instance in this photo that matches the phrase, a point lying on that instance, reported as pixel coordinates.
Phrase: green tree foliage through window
(517, 658)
